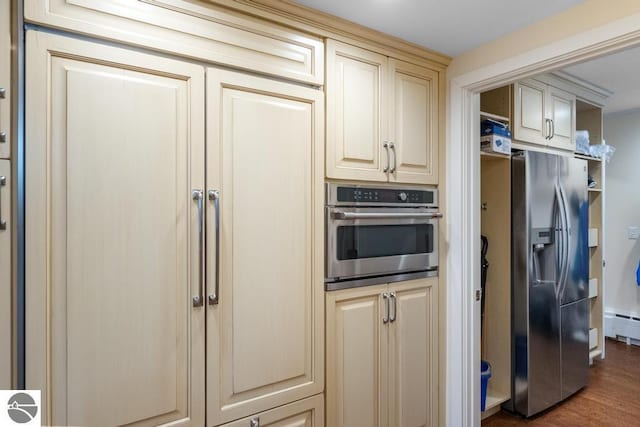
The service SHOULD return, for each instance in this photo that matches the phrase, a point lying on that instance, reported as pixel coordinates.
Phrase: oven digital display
(383, 195)
(373, 241)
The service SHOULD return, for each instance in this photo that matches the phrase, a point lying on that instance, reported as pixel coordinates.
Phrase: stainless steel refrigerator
(550, 275)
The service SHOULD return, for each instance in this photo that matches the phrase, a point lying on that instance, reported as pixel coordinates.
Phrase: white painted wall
(622, 294)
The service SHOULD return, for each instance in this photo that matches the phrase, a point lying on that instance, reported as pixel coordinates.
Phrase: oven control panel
(356, 195)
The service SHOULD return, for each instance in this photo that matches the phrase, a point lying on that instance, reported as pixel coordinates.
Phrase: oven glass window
(372, 241)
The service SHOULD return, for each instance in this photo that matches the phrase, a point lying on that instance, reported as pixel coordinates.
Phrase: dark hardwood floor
(612, 397)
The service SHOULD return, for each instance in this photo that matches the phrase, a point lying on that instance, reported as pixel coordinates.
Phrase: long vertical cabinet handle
(386, 147)
(395, 307)
(3, 182)
(385, 297)
(547, 124)
(214, 196)
(395, 157)
(198, 197)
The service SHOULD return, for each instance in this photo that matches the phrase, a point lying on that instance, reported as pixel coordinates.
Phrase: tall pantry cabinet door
(357, 368)
(530, 121)
(413, 354)
(5, 275)
(115, 148)
(356, 113)
(265, 317)
(562, 112)
(413, 123)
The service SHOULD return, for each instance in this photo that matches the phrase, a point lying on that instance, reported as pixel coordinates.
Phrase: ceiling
(618, 73)
(447, 26)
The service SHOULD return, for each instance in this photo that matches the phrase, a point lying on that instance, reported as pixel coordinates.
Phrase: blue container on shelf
(485, 374)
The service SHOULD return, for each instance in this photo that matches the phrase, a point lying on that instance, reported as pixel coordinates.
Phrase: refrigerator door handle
(560, 242)
(566, 242)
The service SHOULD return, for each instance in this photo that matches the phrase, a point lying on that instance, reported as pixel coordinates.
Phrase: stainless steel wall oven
(379, 235)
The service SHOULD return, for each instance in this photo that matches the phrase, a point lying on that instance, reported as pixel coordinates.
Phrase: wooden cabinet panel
(357, 358)
(529, 112)
(5, 276)
(193, 29)
(413, 353)
(383, 373)
(562, 110)
(303, 413)
(382, 118)
(5, 79)
(544, 115)
(356, 120)
(265, 157)
(414, 123)
(112, 248)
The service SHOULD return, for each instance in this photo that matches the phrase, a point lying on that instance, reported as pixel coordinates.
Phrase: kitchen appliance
(550, 276)
(379, 234)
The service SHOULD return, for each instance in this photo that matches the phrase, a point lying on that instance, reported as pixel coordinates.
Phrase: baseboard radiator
(622, 327)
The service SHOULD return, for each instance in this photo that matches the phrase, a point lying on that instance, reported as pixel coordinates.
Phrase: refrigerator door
(575, 346)
(536, 312)
(572, 180)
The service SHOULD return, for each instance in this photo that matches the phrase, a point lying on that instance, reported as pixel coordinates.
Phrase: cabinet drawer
(191, 29)
(303, 413)
(5, 79)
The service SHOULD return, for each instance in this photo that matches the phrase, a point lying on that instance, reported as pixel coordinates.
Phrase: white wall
(583, 24)
(622, 294)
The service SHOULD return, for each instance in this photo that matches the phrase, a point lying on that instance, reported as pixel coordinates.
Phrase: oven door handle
(381, 215)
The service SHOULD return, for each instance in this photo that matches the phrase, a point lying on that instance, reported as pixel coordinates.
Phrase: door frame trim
(462, 386)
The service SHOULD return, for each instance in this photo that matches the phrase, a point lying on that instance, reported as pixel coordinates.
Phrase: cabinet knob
(255, 422)
(3, 93)
(3, 137)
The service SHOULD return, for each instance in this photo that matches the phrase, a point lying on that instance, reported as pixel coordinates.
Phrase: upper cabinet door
(413, 119)
(531, 124)
(356, 113)
(357, 366)
(5, 79)
(116, 146)
(562, 112)
(265, 332)
(196, 29)
(413, 354)
(5, 276)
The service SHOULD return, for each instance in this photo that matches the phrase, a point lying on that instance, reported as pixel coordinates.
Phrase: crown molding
(317, 23)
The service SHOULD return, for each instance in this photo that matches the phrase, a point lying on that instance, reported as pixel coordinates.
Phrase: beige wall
(574, 22)
(622, 295)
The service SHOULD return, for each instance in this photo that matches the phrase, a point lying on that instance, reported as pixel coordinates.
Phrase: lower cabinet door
(5, 275)
(303, 413)
(357, 337)
(116, 145)
(265, 317)
(413, 354)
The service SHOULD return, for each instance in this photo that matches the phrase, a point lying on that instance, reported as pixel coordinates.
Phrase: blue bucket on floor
(485, 374)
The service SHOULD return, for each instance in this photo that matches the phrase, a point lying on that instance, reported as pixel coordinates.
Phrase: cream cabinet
(544, 115)
(265, 293)
(153, 253)
(201, 30)
(382, 356)
(5, 79)
(303, 413)
(5, 276)
(382, 117)
(116, 143)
